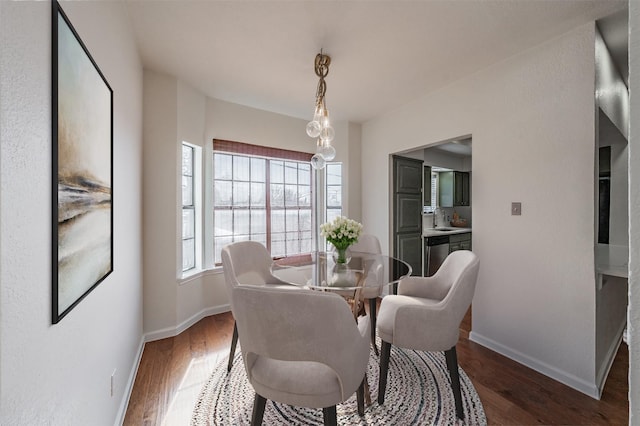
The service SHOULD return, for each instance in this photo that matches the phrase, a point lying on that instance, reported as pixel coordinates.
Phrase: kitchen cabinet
(426, 186)
(407, 211)
(460, 242)
(455, 189)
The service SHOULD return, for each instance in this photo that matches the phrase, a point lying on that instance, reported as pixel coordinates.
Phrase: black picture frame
(82, 169)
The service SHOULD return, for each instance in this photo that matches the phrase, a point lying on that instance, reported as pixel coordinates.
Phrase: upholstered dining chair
(301, 348)
(368, 243)
(246, 262)
(426, 314)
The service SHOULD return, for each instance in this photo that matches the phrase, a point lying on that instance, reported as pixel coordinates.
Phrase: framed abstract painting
(82, 172)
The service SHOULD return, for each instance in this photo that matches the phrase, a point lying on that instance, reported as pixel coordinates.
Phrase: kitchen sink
(442, 229)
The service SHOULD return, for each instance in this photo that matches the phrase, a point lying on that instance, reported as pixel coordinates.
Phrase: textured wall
(531, 118)
(60, 374)
(634, 216)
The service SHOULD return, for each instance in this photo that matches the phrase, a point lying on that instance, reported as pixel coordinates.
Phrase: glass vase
(341, 256)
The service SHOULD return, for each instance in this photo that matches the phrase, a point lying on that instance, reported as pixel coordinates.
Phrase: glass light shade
(317, 162)
(327, 134)
(314, 129)
(327, 151)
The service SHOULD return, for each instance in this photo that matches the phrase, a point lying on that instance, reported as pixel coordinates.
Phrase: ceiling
(384, 53)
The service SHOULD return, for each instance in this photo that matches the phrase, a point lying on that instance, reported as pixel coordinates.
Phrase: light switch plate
(516, 209)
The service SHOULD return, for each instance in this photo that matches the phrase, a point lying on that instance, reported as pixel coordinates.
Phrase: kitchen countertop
(443, 230)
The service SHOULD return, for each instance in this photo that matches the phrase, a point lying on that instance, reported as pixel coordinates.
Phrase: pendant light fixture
(320, 127)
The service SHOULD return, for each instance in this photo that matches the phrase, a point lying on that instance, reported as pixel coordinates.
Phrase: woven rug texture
(418, 393)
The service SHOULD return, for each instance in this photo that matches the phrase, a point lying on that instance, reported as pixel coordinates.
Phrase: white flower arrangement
(342, 232)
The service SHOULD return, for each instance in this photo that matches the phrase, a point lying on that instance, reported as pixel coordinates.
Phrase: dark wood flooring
(173, 370)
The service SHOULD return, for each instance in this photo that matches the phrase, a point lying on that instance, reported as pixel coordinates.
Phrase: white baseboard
(174, 331)
(122, 411)
(157, 335)
(568, 379)
(605, 368)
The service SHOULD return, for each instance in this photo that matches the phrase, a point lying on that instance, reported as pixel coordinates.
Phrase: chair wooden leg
(258, 410)
(384, 370)
(452, 365)
(360, 398)
(234, 342)
(372, 312)
(330, 416)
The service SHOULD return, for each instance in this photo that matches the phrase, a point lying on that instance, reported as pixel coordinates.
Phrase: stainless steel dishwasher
(437, 249)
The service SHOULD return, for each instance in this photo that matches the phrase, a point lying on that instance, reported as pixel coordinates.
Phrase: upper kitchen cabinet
(455, 189)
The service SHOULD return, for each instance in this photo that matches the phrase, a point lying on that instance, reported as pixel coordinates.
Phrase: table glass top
(319, 270)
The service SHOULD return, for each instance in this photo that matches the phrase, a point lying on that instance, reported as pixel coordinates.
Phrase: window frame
(270, 155)
(189, 207)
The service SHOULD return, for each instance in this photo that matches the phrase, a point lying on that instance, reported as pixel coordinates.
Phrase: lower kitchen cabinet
(460, 242)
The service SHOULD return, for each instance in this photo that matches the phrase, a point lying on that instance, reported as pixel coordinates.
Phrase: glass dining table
(363, 271)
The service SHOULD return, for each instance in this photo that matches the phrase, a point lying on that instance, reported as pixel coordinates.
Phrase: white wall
(533, 115)
(60, 374)
(634, 219)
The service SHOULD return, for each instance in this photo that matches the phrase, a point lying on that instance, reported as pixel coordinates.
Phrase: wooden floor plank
(172, 372)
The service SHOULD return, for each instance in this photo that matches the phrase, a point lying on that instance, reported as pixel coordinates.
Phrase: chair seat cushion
(385, 322)
(300, 383)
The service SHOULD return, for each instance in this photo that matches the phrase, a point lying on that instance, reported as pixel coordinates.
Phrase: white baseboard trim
(174, 331)
(122, 411)
(605, 368)
(561, 376)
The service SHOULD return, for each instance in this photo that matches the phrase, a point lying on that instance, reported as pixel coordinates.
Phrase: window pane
(258, 223)
(262, 238)
(258, 170)
(305, 242)
(223, 223)
(188, 223)
(187, 160)
(188, 254)
(241, 191)
(220, 242)
(304, 173)
(241, 222)
(305, 220)
(290, 172)
(258, 197)
(334, 174)
(304, 195)
(333, 213)
(277, 171)
(277, 195)
(334, 196)
(277, 221)
(222, 194)
(291, 195)
(187, 190)
(277, 244)
(292, 221)
(240, 168)
(222, 166)
(293, 245)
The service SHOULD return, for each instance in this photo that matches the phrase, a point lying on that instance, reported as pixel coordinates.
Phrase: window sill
(194, 274)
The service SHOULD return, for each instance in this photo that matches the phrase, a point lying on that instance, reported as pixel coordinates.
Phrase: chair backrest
(246, 262)
(456, 280)
(367, 243)
(302, 325)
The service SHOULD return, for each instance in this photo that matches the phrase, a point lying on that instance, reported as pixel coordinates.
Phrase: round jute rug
(418, 393)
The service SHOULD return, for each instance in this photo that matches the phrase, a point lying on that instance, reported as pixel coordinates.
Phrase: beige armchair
(246, 262)
(301, 348)
(426, 316)
(368, 243)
